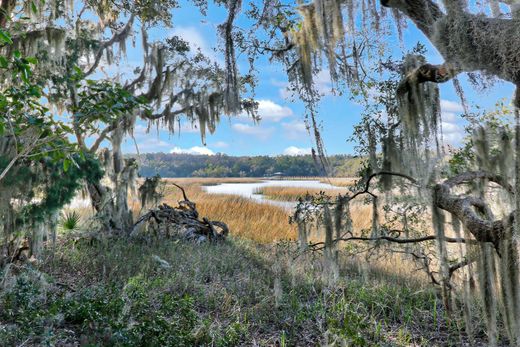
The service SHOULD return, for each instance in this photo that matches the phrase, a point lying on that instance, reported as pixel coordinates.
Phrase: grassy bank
(295, 193)
(237, 293)
(247, 219)
(255, 289)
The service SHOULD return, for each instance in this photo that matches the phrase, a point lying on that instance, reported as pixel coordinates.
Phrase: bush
(154, 316)
(145, 312)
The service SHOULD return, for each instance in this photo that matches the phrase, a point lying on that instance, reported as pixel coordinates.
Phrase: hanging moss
(43, 188)
(149, 191)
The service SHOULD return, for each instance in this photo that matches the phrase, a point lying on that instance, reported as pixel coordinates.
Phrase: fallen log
(179, 222)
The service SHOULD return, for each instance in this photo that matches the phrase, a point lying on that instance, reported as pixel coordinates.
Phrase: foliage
(496, 126)
(40, 169)
(221, 165)
(104, 102)
(27, 129)
(200, 301)
(70, 221)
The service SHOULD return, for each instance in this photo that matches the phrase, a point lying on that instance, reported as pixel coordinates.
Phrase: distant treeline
(221, 165)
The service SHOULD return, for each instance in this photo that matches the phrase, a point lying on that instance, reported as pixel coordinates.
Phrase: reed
(295, 193)
(260, 222)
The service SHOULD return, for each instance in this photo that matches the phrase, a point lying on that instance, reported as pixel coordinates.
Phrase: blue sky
(282, 129)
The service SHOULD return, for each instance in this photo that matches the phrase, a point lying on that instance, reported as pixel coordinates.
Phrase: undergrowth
(171, 293)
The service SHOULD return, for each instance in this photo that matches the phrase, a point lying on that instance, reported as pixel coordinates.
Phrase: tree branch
(380, 173)
(397, 240)
(427, 73)
(483, 228)
(424, 13)
(103, 135)
(119, 36)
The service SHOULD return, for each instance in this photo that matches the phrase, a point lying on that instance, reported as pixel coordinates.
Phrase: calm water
(247, 190)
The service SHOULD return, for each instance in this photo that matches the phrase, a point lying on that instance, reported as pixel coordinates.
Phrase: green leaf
(5, 37)
(66, 164)
(34, 91)
(26, 73)
(32, 60)
(4, 63)
(34, 8)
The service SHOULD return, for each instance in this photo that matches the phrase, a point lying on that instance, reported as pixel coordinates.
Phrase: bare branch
(103, 135)
(427, 73)
(398, 240)
(119, 36)
(380, 173)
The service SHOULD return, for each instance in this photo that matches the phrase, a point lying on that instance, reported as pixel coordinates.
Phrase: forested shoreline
(221, 165)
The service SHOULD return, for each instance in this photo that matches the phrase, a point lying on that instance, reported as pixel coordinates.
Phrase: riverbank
(254, 289)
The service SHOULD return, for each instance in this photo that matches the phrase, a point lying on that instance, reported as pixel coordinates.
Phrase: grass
(259, 222)
(294, 193)
(249, 290)
(113, 292)
(262, 223)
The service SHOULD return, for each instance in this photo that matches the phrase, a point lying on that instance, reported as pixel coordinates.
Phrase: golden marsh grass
(260, 222)
(294, 193)
(263, 223)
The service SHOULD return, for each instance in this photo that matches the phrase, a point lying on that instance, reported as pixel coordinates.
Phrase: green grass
(113, 292)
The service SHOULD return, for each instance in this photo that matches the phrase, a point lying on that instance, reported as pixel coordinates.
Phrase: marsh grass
(246, 218)
(249, 290)
(295, 193)
(262, 223)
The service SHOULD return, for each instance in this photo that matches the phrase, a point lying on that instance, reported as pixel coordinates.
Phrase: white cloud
(195, 39)
(293, 150)
(295, 130)
(449, 117)
(151, 144)
(193, 150)
(285, 93)
(256, 131)
(269, 110)
(452, 132)
(323, 82)
(448, 128)
(220, 144)
(451, 106)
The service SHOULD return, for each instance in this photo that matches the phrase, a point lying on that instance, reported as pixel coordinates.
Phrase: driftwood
(181, 221)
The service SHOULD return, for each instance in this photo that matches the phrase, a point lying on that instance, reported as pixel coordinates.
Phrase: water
(247, 190)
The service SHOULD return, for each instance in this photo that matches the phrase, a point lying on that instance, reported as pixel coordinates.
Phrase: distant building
(277, 175)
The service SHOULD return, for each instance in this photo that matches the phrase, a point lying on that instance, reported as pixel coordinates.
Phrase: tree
(74, 44)
(345, 36)
(40, 170)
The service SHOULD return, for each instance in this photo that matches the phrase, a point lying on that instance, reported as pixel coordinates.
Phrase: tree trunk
(466, 41)
(111, 203)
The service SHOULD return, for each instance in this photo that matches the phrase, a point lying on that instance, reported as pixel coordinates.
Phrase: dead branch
(181, 221)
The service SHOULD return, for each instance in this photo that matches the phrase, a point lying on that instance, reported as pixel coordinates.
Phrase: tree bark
(111, 203)
(466, 41)
(472, 211)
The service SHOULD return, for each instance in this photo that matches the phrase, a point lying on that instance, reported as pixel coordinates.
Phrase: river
(248, 190)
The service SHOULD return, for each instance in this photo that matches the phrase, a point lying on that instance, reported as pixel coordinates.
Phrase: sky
(282, 129)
